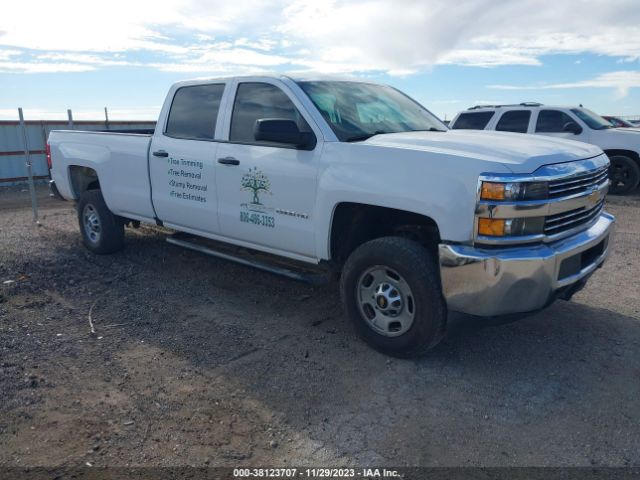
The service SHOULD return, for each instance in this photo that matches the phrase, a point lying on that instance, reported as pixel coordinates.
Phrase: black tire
(624, 174)
(110, 229)
(417, 267)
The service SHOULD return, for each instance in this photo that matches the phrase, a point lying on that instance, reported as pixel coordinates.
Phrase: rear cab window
(472, 120)
(194, 112)
(516, 121)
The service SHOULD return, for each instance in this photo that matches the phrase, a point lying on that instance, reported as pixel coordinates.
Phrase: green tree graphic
(256, 182)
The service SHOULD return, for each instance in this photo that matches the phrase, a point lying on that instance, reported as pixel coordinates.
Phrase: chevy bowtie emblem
(594, 197)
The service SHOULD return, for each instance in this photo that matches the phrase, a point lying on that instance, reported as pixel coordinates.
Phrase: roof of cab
(306, 77)
(517, 106)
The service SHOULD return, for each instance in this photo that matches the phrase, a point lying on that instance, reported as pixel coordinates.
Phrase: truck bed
(120, 160)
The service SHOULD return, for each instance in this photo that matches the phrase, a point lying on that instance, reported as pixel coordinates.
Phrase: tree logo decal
(255, 181)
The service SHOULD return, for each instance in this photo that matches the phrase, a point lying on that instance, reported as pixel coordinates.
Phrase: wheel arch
(627, 153)
(353, 224)
(81, 179)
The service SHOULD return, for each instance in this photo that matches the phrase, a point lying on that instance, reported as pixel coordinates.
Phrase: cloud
(416, 33)
(43, 67)
(240, 56)
(90, 59)
(399, 37)
(621, 81)
(7, 54)
(488, 58)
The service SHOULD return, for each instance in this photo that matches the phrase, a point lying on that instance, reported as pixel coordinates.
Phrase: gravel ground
(196, 361)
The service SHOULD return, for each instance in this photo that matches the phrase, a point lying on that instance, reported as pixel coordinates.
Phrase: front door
(552, 123)
(266, 191)
(182, 160)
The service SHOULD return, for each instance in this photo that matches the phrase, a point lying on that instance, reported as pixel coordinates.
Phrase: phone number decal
(258, 219)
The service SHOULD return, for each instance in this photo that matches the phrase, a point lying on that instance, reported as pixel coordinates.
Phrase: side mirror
(279, 130)
(572, 127)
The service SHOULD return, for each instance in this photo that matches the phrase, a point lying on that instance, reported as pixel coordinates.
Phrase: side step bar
(312, 278)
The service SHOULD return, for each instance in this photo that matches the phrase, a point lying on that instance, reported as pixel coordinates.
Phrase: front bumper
(498, 281)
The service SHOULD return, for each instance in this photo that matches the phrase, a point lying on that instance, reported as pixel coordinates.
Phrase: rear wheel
(102, 231)
(391, 291)
(624, 174)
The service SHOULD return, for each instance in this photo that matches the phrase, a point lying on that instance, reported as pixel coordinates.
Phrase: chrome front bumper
(498, 281)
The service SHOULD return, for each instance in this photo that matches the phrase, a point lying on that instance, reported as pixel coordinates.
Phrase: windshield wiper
(365, 136)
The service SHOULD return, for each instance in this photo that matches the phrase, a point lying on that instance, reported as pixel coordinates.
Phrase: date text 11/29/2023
(315, 473)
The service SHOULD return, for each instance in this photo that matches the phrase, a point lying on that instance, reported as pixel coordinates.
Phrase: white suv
(573, 123)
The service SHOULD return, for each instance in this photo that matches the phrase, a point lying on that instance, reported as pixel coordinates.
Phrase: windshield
(620, 122)
(356, 111)
(593, 120)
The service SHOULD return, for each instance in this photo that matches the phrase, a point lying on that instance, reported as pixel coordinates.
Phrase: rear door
(516, 121)
(472, 120)
(267, 191)
(182, 159)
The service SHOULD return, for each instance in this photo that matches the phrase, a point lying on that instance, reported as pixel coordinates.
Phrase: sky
(448, 55)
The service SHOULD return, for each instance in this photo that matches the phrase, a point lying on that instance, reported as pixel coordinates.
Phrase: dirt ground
(197, 361)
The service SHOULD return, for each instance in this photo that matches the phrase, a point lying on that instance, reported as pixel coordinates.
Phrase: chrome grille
(564, 221)
(578, 184)
(574, 203)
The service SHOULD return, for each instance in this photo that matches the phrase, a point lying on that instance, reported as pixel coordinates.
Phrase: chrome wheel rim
(386, 301)
(91, 221)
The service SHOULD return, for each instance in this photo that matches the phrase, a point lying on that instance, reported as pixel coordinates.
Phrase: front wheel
(391, 291)
(624, 174)
(102, 231)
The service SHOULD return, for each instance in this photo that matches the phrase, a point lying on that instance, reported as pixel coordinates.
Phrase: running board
(312, 278)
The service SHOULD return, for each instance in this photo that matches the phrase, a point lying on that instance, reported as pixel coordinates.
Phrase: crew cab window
(552, 121)
(194, 112)
(260, 100)
(472, 121)
(514, 121)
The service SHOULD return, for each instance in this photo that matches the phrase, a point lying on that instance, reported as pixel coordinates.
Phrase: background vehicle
(618, 122)
(323, 178)
(622, 146)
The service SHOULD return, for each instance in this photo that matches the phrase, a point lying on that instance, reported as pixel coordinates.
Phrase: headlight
(511, 227)
(514, 191)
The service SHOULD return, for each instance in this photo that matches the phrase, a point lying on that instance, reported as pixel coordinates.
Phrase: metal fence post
(106, 118)
(70, 117)
(32, 188)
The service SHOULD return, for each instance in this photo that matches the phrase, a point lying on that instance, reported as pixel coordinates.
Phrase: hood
(627, 129)
(518, 152)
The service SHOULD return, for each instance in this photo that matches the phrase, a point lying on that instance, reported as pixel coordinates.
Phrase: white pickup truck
(318, 178)
(622, 145)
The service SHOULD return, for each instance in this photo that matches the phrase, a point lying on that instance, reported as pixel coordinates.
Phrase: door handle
(160, 153)
(229, 161)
